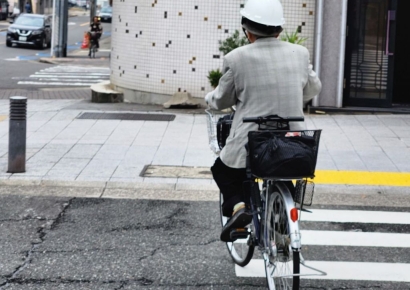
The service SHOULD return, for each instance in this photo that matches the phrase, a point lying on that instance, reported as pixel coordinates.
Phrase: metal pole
(53, 27)
(65, 27)
(340, 85)
(93, 9)
(60, 28)
(318, 43)
(17, 134)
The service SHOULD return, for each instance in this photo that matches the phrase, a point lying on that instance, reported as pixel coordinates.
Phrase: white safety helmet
(266, 12)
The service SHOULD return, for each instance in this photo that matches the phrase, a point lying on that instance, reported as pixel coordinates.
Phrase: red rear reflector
(294, 214)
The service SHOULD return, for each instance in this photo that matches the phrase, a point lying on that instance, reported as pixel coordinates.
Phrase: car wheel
(8, 43)
(43, 43)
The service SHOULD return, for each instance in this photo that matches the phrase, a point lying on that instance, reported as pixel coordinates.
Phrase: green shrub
(293, 37)
(232, 42)
(214, 76)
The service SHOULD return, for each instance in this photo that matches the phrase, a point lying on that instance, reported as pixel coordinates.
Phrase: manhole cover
(176, 171)
(127, 116)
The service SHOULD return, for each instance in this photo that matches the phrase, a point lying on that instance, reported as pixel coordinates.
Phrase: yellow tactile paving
(362, 178)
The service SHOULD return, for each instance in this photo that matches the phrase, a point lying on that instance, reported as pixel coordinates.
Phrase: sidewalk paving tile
(83, 151)
(169, 155)
(111, 152)
(100, 168)
(128, 171)
(140, 155)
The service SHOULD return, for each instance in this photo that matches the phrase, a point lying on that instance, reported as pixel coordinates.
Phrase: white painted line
(356, 216)
(75, 68)
(70, 73)
(69, 80)
(69, 77)
(355, 239)
(56, 84)
(394, 272)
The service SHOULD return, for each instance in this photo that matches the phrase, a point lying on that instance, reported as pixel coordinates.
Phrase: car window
(106, 9)
(29, 21)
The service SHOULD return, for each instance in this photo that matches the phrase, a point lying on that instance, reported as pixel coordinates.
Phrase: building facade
(160, 47)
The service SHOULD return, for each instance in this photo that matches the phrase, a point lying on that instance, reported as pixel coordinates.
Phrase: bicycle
(276, 212)
(93, 45)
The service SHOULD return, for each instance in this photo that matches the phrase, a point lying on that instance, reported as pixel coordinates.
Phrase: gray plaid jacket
(266, 77)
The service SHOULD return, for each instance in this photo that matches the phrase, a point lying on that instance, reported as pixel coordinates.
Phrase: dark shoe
(239, 220)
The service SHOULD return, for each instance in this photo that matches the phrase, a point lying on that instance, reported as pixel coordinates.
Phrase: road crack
(41, 235)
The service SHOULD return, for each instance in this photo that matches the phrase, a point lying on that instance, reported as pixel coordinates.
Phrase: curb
(181, 192)
(322, 189)
(61, 60)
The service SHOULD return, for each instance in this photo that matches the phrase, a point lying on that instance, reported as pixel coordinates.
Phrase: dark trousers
(230, 182)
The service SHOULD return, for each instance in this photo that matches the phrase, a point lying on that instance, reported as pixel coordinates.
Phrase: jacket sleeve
(224, 95)
(313, 85)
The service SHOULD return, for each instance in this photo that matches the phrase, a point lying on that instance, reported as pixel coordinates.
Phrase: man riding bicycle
(266, 77)
(96, 30)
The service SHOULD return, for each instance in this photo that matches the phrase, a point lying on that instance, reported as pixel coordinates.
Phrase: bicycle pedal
(239, 234)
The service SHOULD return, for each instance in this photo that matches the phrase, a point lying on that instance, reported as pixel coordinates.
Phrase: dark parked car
(30, 29)
(105, 14)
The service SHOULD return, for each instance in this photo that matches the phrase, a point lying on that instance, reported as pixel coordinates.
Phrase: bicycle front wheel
(241, 250)
(281, 262)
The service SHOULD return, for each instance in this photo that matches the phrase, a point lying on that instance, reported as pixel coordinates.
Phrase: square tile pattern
(169, 46)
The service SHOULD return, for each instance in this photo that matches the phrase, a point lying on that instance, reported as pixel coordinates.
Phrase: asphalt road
(50, 242)
(18, 63)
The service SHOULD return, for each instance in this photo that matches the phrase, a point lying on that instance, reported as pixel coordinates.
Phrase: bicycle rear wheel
(241, 250)
(281, 263)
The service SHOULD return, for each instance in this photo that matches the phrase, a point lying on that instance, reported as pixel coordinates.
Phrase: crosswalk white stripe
(355, 239)
(56, 84)
(393, 272)
(96, 80)
(67, 76)
(74, 68)
(356, 216)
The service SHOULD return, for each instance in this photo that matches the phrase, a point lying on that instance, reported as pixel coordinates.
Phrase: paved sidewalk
(359, 153)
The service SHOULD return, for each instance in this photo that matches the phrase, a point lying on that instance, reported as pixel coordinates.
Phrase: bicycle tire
(240, 250)
(280, 257)
(94, 50)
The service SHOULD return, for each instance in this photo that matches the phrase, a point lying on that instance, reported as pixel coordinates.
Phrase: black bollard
(17, 134)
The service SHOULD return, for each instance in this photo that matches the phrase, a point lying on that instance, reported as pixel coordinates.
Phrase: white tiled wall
(166, 46)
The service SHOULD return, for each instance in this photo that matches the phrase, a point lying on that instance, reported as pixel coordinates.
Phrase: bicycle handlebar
(272, 118)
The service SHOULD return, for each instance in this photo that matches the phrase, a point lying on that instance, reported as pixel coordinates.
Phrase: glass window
(29, 21)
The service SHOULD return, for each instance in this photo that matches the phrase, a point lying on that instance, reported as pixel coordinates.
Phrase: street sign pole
(93, 9)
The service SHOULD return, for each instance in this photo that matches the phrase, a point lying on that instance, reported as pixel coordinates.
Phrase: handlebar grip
(251, 119)
(294, 119)
(274, 118)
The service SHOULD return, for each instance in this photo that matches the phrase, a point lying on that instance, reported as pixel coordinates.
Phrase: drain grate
(127, 116)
